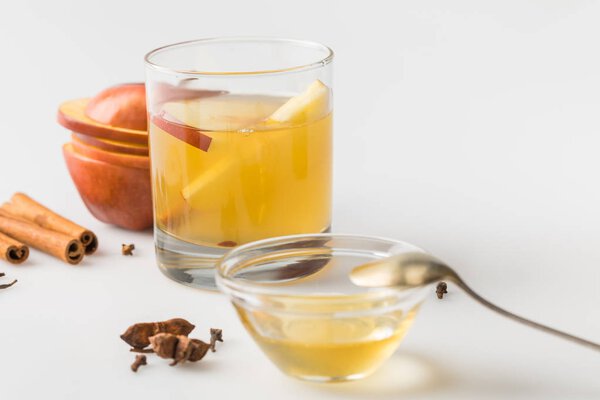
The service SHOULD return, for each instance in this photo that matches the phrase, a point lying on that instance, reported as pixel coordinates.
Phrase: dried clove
(227, 243)
(136, 350)
(138, 335)
(178, 347)
(139, 361)
(7, 285)
(441, 290)
(216, 335)
(127, 249)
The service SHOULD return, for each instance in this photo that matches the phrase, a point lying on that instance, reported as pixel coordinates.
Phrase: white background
(469, 128)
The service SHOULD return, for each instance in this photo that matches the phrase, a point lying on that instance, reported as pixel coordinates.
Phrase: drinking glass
(240, 133)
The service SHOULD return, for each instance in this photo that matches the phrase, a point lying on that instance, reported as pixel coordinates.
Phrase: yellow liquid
(327, 349)
(256, 180)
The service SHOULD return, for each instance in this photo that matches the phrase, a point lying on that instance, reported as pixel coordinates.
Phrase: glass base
(187, 263)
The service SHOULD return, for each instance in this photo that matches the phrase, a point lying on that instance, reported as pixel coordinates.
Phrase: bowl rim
(250, 292)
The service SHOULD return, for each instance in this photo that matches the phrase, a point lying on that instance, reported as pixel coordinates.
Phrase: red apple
(121, 106)
(115, 194)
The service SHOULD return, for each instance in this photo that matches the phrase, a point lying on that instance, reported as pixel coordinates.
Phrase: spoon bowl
(404, 270)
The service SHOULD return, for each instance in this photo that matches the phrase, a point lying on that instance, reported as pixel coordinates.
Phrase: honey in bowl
(318, 326)
(324, 348)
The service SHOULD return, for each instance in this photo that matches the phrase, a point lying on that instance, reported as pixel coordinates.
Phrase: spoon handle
(543, 328)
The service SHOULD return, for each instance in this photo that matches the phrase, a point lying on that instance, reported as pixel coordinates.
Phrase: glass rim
(247, 290)
(228, 39)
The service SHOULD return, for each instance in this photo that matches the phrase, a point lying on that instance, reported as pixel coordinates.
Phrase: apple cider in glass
(265, 172)
(240, 135)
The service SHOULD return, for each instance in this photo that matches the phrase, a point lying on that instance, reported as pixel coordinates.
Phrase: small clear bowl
(294, 296)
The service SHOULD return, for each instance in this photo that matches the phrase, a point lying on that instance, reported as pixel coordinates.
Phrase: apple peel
(192, 136)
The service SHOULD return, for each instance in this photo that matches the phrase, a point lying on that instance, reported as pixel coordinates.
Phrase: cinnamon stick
(12, 251)
(23, 206)
(54, 243)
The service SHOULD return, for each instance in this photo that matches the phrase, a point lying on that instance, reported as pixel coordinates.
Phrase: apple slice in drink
(308, 106)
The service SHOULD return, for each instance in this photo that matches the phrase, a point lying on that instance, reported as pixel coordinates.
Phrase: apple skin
(114, 194)
(71, 115)
(119, 159)
(123, 106)
(110, 145)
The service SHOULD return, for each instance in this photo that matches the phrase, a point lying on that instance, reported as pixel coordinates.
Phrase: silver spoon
(409, 270)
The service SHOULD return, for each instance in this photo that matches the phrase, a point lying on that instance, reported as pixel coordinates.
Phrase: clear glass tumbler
(240, 145)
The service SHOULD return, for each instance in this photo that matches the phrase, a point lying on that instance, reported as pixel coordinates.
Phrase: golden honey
(327, 348)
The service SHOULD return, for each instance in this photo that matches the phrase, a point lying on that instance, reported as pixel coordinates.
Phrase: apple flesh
(114, 194)
(111, 145)
(122, 106)
(71, 115)
(120, 159)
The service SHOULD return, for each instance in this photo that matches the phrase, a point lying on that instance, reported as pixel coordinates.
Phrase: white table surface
(469, 128)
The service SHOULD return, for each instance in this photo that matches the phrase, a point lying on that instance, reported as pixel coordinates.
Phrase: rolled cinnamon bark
(12, 251)
(54, 243)
(23, 206)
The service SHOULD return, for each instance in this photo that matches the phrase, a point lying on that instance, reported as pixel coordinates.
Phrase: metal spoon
(409, 270)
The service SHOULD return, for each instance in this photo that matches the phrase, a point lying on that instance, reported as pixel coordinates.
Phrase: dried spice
(138, 335)
(67, 248)
(127, 249)
(441, 290)
(24, 207)
(178, 347)
(216, 335)
(139, 361)
(7, 285)
(12, 250)
(227, 243)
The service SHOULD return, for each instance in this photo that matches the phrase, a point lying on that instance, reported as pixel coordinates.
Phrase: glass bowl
(294, 296)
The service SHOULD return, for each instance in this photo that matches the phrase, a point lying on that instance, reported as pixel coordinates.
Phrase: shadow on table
(412, 374)
(404, 373)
